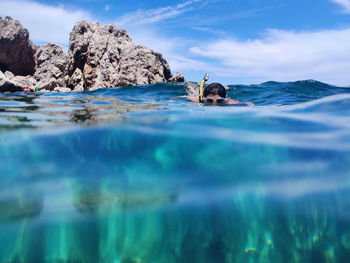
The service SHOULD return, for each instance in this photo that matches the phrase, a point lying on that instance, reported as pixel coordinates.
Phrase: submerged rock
(20, 205)
(16, 50)
(104, 56)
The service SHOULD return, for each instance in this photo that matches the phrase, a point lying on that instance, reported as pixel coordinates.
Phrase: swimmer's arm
(194, 99)
(232, 102)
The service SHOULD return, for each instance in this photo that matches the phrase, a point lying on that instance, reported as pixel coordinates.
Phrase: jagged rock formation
(98, 57)
(51, 66)
(16, 50)
(104, 56)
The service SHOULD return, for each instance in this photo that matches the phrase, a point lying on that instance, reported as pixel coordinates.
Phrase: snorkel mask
(215, 100)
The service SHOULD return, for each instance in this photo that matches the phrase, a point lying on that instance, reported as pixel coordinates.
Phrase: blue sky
(236, 41)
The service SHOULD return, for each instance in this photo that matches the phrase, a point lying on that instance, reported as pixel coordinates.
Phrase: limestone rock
(49, 85)
(104, 56)
(24, 80)
(16, 50)
(7, 85)
(76, 81)
(99, 57)
(51, 66)
(62, 89)
(178, 77)
(9, 74)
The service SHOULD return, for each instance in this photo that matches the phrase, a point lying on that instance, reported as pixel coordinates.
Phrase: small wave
(284, 93)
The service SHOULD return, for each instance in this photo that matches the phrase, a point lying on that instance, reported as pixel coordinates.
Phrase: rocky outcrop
(104, 56)
(51, 67)
(178, 77)
(24, 80)
(98, 57)
(7, 85)
(20, 80)
(16, 50)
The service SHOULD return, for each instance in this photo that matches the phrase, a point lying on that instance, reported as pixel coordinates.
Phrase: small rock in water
(178, 77)
(62, 89)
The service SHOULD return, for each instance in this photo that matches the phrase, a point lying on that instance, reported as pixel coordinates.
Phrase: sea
(138, 175)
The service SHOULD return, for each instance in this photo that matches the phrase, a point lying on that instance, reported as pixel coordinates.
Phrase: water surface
(135, 175)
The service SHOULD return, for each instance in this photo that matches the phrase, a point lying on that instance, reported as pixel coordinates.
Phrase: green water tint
(240, 230)
(121, 195)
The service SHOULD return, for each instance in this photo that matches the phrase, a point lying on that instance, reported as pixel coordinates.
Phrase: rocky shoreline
(99, 56)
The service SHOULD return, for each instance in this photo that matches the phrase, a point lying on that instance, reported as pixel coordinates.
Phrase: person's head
(214, 93)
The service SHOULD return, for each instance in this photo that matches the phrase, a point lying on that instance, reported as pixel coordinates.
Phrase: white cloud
(45, 23)
(283, 55)
(187, 3)
(173, 49)
(344, 3)
(142, 17)
(209, 30)
(107, 8)
(181, 63)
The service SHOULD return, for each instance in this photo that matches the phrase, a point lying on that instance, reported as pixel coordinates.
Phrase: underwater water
(134, 175)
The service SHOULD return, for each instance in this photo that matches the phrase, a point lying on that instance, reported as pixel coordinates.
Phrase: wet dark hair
(215, 89)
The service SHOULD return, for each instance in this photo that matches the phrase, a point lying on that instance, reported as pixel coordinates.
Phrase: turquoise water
(134, 175)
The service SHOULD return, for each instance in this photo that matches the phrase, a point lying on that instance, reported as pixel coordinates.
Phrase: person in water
(215, 94)
(26, 88)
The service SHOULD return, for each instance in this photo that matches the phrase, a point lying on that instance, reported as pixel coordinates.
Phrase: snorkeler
(215, 94)
(26, 88)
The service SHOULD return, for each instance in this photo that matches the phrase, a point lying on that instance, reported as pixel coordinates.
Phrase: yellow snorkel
(206, 77)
